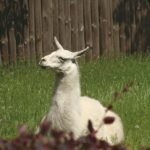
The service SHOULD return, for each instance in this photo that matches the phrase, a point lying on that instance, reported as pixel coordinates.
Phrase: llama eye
(61, 59)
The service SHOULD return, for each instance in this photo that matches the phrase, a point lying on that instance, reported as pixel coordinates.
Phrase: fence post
(106, 30)
(4, 50)
(61, 22)
(0, 58)
(26, 35)
(127, 19)
(103, 27)
(47, 20)
(88, 27)
(95, 29)
(21, 53)
(116, 39)
(55, 19)
(74, 25)
(122, 29)
(133, 28)
(67, 24)
(12, 45)
(38, 29)
(81, 27)
(32, 30)
(110, 27)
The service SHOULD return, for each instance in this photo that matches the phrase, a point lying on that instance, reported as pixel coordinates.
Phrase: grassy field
(25, 93)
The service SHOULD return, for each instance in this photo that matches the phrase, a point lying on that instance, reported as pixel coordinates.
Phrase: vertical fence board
(4, 50)
(38, 29)
(26, 36)
(12, 45)
(139, 29)
(21, 53)
(61, 21)
(116, 41)
(128, 26)
(47, 17)
(67, 24)
(104, 27)
(32, 30)
(74, 25)
(122, 30)
(55, 19)
(133, 29)
(81, 27)
(110, 27)
(1, 42)
(0, 57)
(95, 29)
(122, 38)
(142, 28)
(88, 27)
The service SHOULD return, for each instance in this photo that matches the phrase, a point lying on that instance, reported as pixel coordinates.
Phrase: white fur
(69, 111)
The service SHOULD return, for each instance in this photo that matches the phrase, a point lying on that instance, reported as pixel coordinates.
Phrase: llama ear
(80, 53)
(59, 46)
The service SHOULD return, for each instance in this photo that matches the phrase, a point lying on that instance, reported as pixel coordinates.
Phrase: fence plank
(95, 29)
(106, 28)
(67, 24)
(61, 22)
(55, 19)
(38, 29)
(26, 36)
(110, 27)
(47, 16)
(0, 57)
(88, 27)
(103, 27)
(133, 29)
(128, 26)
(4, 49)
(122, 29)
(81, 27)
(12, 45)
(21, 53)
(142, 28)
(1, 43)
(74, 25)
(116, 39)
(32, 30)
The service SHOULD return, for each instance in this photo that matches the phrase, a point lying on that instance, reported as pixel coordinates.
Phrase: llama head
(61, 60)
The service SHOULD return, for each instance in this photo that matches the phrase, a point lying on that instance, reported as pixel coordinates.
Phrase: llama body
(70, 111)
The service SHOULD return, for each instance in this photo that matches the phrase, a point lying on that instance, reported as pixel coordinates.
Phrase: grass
(25, 93)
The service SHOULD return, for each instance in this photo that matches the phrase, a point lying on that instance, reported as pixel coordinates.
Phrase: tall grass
(25, 93)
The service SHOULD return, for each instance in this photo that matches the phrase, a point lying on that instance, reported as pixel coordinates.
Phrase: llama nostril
(43, 60)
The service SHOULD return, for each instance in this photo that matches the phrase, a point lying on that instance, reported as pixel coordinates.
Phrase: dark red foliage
(57, 140)
(90, 128)
(109, 120)
(44, 127)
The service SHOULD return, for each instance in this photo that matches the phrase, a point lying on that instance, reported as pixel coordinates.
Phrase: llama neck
(67, 89)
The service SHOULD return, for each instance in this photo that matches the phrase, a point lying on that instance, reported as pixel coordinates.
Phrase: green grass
(25, 93)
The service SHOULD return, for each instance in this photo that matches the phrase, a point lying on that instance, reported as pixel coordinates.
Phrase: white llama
(69, 110)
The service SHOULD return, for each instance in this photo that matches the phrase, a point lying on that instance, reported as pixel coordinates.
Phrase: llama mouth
(43, 67)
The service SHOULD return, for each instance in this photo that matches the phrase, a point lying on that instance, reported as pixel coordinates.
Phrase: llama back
(93, 110)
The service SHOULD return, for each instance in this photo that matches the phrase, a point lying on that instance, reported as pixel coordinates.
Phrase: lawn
(25, 93)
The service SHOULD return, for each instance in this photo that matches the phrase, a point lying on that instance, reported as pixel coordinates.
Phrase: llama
(69, 110)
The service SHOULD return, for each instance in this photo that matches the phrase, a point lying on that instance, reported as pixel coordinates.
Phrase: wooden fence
(109, 27)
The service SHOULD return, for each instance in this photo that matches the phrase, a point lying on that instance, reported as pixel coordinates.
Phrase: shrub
(56, 140)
